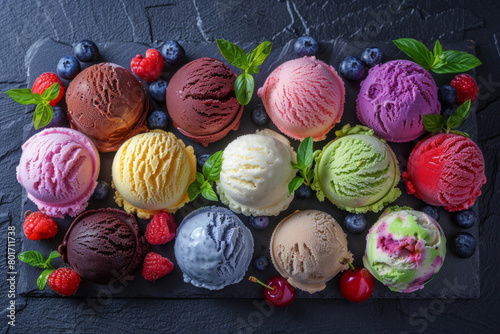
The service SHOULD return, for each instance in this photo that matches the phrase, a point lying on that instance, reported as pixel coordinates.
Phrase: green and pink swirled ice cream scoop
(404, 249)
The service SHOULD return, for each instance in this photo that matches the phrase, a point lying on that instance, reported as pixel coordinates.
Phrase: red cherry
(278, 292)
(356, 284)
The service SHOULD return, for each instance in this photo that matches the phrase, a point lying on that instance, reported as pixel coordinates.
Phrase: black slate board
(458, 278)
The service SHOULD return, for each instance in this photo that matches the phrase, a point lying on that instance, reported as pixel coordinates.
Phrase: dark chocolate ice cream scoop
(104, 244)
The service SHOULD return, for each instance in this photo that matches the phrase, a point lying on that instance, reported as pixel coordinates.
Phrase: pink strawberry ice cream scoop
(394, 98)
(59, 168)
(304, 97)
(446, 170)
(202, 102)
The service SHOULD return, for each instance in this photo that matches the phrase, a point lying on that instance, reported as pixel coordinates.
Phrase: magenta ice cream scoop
(394, 98)
(59, 168)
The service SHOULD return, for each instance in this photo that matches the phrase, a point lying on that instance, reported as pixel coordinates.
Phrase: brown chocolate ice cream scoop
(108, 104)
(202, 102)
(104, 244)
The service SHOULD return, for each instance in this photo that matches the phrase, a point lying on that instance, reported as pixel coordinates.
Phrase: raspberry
(39, 226)
(156, 266)
(148, 68)
(466, 88)
(64, 281)
(161, 229)
(44, 81)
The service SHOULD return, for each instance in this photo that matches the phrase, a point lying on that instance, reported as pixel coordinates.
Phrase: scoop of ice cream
(104, 244)
(394, 98)
(59, 168)
(357, 171)
(446, 170)
(152, 172)
(306, 248)
(213, 248)
(404, 250)
(304, 97)
(108, 104)
(201, 100)
(255, 174)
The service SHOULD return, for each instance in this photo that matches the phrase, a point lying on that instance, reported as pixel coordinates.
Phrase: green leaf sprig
(304, 165)
(203, 184)
(436, 123)
(43, 111)
(248, 62)
(37, 260)
(437, 60)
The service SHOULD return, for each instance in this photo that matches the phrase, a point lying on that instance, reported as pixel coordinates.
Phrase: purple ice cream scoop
(394, 98)
(104, 244)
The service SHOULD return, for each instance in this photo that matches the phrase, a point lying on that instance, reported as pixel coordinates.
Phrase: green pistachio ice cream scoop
(357, 171)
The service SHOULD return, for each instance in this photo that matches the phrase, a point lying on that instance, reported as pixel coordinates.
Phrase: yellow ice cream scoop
(152, 172)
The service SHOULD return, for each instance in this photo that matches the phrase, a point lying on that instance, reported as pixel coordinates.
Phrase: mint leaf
(460, 133)
(457, 62)
(438, 49)
(24, 96)
(33, 258)
(42, 279)
(51, 93)
(257, 56)
(305, 152)
(252, 69)
(42, 115)
(212, 167)
(458, 117)
(295, 184)
(417, 51)
(194, 190)
(208, 192)
(244, 88)
(232, 53)
(244, 84)
(200, 178)
(53, 255)
(433, 123)
(309, 177)
(296, 166)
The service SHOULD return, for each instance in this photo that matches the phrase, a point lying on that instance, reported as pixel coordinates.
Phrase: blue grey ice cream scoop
(213, 248)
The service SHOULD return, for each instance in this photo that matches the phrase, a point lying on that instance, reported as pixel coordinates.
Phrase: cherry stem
(345, 261)
(255, 280)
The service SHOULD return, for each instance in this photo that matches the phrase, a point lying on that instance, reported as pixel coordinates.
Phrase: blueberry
(355, 223)
(304, 191)
(86, 51)
(101, 190)
(447, 95)
(432, 211)
(259, 115)
(352, 68)
(306, 46)
(372, 56)
(201, 161)
(261, 263)
(68, 67)
(172, 52)
(59, 118)
(259, 223)
(157, 90)
(463, 245)
(465, 219)
(158, 120)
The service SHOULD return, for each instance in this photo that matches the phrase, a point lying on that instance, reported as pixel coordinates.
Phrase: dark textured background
(24, 22)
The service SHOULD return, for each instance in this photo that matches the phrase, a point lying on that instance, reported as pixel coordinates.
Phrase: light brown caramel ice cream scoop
(306, 248)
